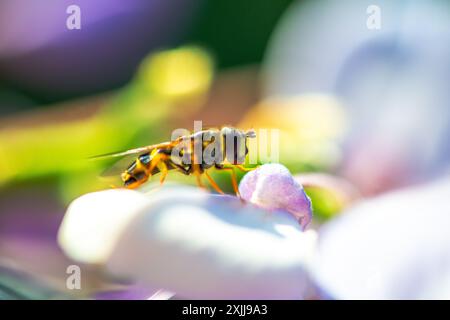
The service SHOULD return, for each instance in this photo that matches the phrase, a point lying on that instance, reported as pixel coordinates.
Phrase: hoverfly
(231, 149)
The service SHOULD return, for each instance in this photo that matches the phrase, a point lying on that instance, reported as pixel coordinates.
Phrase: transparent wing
(119, 166)
(126, 158)
(131, 151)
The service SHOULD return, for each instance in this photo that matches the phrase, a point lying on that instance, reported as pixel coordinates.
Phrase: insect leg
(213, 183)
(233, 179)
(198, 175)
(196, 167)
(154, 162)
(164, 171)
(199, 181)
(244, 169)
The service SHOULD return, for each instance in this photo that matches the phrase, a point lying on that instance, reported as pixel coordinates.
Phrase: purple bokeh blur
(39, 54)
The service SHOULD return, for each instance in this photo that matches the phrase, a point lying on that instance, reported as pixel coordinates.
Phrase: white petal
(93, 222)
(393, 247)
(193, 243)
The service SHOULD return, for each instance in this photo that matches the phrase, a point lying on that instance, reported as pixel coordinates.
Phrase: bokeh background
(361, 111)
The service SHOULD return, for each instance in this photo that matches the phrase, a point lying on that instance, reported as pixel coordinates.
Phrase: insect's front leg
(233, 177)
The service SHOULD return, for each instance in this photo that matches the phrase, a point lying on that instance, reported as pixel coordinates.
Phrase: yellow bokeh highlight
(177, 73)
(311, 127)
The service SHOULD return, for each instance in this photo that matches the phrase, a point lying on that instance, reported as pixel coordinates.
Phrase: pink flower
(272, 186)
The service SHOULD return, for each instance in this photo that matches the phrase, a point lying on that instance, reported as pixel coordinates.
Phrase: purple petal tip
(272, 186)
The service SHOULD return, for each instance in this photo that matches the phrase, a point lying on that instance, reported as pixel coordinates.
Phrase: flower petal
(191, 242)
(272, 186)
(396, 246)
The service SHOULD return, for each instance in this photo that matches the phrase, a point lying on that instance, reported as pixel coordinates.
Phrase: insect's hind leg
(164, 170)
(158, 161)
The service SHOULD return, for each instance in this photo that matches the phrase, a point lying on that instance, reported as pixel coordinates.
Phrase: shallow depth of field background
(370, 108)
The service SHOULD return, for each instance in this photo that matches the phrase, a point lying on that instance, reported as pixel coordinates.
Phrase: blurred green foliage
(325, 203)
(137, 115)
(237, 32)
